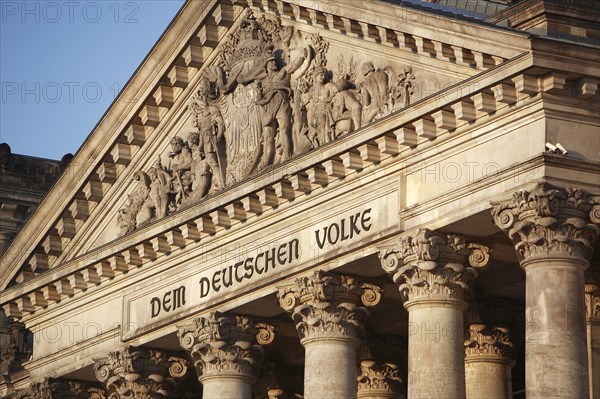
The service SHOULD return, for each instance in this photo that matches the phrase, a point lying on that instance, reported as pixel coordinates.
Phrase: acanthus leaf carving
(484, 341)
(550, 221)
(140, 373)
(51, 388)
(222, 344)
(428, 264)
(269, 97)
(378, 377)
(326, 305)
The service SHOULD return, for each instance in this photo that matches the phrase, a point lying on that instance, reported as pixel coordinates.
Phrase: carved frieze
(17, 350)
(270, 96)
(140, 373)
(226, 345)
(379, 378)
(490, 342)
(550, 221)
(62, 389)
(433, 264)
(326, 305)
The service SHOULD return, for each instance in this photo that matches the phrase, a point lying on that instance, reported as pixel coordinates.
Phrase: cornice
(381, 140)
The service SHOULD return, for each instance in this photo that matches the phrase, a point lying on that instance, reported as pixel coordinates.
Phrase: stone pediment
(235, 90)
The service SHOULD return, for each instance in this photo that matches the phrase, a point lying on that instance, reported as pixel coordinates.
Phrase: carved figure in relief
(373, 91)
(201, 169)
(211, 127)
(346, 107)
(274, 97)
(321, 117)
(181, 166)
(402, 90)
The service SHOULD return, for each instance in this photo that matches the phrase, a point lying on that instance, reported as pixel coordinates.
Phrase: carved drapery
(140, 373)
(486, 341)
(326, 305)
(432, 264)
(226, 345)
(62, 389)
(550, 222)
(269, 97)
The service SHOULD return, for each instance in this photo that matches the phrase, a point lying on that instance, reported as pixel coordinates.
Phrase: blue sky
(63, 62)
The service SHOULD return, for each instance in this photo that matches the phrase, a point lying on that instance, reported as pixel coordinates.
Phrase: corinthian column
(325, 308)
(487, 363)
(226, 351)
(592, 319)
(140, 373)
(432, 273)
(554, 232)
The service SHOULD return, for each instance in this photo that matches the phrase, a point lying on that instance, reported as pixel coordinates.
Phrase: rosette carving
(376, 377)
(62, 389)
(223, 344)
(326, 305)
(484, 341)
(430, 263)
(140, 373)
(550, 221)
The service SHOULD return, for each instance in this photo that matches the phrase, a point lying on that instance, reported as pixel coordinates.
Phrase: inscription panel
(289, 247)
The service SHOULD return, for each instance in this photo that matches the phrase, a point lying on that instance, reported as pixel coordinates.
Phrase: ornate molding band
(433, 264)
(378, 378)
(487, 342)
(226, 345)
(550, 221)
(325, 305)
(140, 373)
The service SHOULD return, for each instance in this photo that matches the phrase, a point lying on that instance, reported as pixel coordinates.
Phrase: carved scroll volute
(550, 221)
(140, 372)
(428, 263)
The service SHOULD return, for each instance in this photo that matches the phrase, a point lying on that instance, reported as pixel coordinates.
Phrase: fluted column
(554, 231)
(592, 319)
(488, 363)
(379, 380)
(432, 274)
(326, 310)
(226, 351)
(140, 373)
(51, 388)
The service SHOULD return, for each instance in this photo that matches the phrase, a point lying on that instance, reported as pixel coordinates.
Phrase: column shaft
(436, 367)
(226, 387)
(489, 379)
(593, 347)
(330, 369)
(555, 354)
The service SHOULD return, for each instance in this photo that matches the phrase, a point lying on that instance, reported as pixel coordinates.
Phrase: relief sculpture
(271, 96)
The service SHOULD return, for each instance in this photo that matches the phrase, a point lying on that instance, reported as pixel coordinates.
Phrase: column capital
(222, 345)
(327, 306)
(379, 379)
(550, 222)
(62, 389)
(490, 343)
(140, 372)
(592, 302)
(428, 264)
